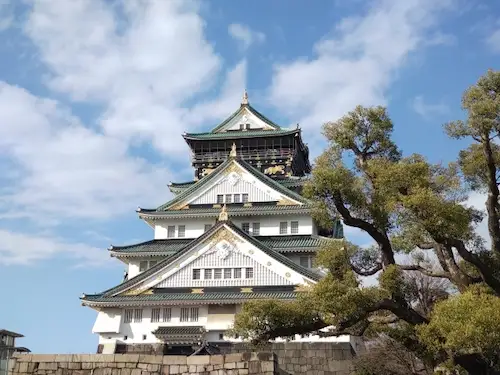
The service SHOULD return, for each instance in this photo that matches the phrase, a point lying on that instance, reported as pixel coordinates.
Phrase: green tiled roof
(256, 173)
(233, 211)
(252, 110)
(281, 244)
(181, 297)
(182, 330)
(160, 265)
(240, 134)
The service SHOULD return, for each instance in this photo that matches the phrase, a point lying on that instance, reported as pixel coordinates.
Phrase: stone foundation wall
(136, 364)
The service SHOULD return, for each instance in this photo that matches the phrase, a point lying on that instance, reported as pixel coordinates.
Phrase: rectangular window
(249, 273)
(228, 198)
(237, 273)
(242, 126)
(244, 198)
(237, 198)
(167, 314)
(207, 227)
(245, 227)
(185, 314)
(218, 273)
(171, 231)
(129, 314)
(193, 317)
(227, 273)
(283, 227)
(181, 231)
(208, 274)
(137, 315)
(196, 274)
(152, 263)
(294, 227)
(143, 266)
(155, 315)
(220, 199)
(256, 229)
(304, 261)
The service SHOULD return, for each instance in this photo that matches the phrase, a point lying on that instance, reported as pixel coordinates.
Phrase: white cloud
(428, 110)
(24, 249)
(355, 64)
(245, 36)
(146, 62)
(6, 15)
(441, 39)
(493, 41)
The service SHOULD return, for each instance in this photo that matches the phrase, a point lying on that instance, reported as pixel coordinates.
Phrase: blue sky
(94, 96)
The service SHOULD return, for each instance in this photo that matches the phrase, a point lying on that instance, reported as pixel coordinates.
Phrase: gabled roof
(217, 172)
(160, 265)
(245, 106)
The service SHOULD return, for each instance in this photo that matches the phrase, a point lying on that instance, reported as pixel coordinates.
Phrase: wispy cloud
(245, 36)
(6, 15)
(356, 62)
(428, 110)
(493, 40)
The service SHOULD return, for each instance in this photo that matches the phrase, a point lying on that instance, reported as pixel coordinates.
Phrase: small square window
(237, 198)
(221, 336)
(228, 198)
(245, 227)
(182, 231)
(125, 338)
(144, 337)
(218, 273)
(242, 126)
(196, 274)
(304, 261)
(256, 229)
(244, 198)
(283, 227)
(171, 231)
(294, 227)
(208, 274)
(237, 273)
(143, 266)
(249, 273)
(220, 198)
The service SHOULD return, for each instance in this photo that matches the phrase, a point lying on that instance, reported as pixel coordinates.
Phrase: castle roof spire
(223, 214)
(232, 153)
(244, 101)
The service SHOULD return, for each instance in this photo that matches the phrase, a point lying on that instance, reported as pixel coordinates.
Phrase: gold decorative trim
(223, 234)
(216, 206)
(286, 202)
(130, 292)
(197, 291)
(232, 168)
(178, 206)
(269, 263)
(246, 290)
(250, 251)
(288, 275)
(149, 291)
(248, 204)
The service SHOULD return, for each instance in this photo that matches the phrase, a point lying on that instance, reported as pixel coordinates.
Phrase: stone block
(165, 370)
(216, 359)
(183, 368)
(126, 371)
(153, 368)
(267, 366)
(32, 367)
(115, 371)
(254, 367)
(135, 371)
(234, 357)
(174, 369)
(75, 365)
(23, 367)
(243, 371)
(198, 360)
(230, 365)
(43, 357)
(153, 359)
(265, 356)
(142, 366)
(174, 360)
(131, 365)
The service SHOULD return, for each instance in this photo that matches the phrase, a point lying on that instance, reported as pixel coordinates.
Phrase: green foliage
(465, 323)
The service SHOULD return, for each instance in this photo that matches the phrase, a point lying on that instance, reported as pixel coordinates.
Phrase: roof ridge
(243, 106)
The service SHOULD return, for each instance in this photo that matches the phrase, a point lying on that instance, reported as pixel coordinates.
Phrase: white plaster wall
(133, 268)
(269, 225)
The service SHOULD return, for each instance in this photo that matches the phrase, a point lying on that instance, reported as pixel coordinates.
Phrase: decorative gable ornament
(233, 178)
(224, 250)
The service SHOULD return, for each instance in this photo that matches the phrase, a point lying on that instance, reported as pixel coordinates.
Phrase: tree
(407, 205)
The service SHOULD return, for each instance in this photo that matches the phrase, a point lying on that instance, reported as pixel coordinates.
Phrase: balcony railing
(246, 155)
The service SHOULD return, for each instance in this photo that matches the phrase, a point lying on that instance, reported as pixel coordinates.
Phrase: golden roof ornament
(223, 214)
(245, 98)
(233, 153)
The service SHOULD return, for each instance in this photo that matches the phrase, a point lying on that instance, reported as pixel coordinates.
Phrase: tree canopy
(411, 207)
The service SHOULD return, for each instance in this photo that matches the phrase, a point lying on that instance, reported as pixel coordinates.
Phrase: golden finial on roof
(245, 98)
(223, 214)
(233, 153)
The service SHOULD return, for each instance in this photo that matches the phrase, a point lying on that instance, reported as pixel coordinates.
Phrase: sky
(94, 97)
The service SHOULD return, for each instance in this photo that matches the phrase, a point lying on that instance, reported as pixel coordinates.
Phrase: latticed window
(245, 227)
(143, 266)
(218, 273)
(182, 231)
(227, 273)
(237, 273)
(155, 315)
(171, 231)
(196, 274)
(249, 273)
(167, 314)
(244, 198)
(129, 315)
(283, 227)
(208, 274)
(185, 314)
(256, 229)
(137, 315)
(193, 316)
(294, 227)
(228, 198)
(237, 198)
(220, 198)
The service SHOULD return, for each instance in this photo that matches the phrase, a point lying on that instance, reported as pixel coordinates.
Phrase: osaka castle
(239, 231)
